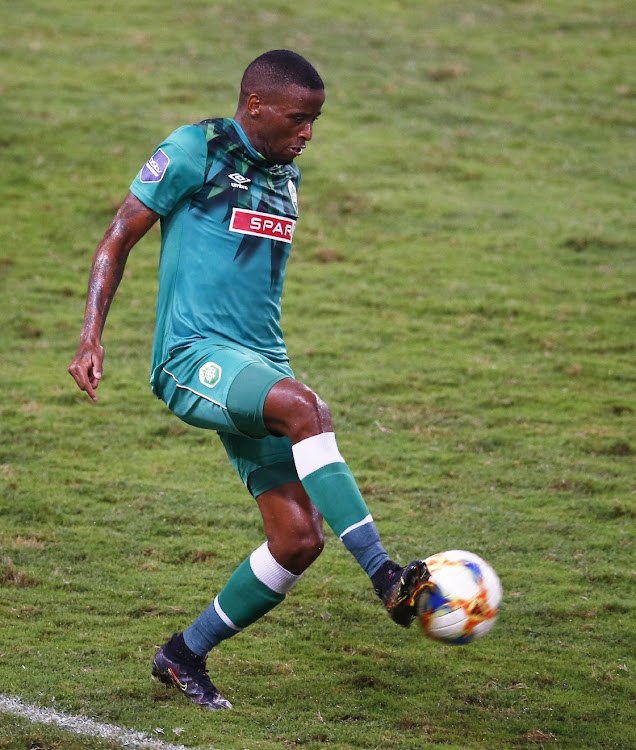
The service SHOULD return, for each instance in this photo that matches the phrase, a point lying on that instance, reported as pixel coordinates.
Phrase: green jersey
(227, 221)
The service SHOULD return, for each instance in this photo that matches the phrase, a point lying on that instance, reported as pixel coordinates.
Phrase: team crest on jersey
(155, 168)
(262, 225)
(210, 374)
(293, 194)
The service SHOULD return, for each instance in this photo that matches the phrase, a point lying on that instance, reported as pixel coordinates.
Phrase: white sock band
(224, 617)
(270, 572)
(315, 452)
(368, 519)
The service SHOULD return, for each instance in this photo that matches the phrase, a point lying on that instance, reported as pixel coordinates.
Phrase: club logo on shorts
(210, 374)
(155, 168)
(262, 225)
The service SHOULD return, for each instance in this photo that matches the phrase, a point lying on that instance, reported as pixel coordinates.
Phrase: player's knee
(299, 550)
(306, 414)
(304, 554)
(293, 409)
(310, 545)
(307, 543)
(312, 412)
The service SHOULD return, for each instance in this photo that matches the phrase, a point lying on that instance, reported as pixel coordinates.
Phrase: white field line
(83, 725)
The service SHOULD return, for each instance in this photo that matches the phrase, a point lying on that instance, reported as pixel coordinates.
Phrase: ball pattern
(463, 601)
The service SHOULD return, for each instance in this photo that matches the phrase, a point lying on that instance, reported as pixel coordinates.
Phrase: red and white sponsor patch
(262, 225)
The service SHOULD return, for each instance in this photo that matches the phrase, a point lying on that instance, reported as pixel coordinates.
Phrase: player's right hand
(86, 368)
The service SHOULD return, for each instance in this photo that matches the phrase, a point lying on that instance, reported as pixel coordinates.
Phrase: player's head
(281, 96)
(280, 68)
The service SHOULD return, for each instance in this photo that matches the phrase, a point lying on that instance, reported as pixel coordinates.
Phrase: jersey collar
(252, 151)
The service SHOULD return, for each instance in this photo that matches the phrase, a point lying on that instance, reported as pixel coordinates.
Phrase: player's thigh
(219, 388)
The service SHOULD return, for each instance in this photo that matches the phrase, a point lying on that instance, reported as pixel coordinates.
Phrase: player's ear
(253, 105)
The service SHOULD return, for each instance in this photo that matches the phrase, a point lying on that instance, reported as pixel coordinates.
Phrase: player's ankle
(176, 648)
(383, 577)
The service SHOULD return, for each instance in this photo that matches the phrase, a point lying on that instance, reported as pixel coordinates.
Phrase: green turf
(461, 292)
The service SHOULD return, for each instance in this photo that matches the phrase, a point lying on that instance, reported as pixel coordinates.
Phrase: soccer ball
(463, 601)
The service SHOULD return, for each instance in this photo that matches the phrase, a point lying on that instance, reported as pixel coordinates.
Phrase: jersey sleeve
(174, 171)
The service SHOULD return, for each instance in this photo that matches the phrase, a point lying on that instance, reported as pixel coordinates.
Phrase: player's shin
(255, 587)
(332, 488)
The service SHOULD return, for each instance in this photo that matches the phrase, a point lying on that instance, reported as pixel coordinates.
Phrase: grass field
(462, 294)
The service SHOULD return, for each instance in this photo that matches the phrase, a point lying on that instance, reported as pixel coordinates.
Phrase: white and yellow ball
(463, 601)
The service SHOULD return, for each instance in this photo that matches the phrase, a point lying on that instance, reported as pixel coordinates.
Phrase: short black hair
(280, 67)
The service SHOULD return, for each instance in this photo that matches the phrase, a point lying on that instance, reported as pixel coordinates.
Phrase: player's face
(282, 122)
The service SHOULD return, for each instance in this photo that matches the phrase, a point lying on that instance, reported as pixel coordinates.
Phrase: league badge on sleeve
(155, 168)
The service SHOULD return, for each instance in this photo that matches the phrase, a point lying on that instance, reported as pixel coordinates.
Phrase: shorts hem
(269, 477)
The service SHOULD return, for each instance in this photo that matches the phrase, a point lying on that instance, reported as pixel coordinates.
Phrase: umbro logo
(238, 181)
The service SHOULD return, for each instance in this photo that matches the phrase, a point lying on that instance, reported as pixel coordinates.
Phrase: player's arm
(132, 221)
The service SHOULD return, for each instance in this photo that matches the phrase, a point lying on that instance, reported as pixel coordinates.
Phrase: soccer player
(225, 191)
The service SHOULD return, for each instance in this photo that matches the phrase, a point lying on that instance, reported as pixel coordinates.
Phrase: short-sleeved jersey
(227, 221)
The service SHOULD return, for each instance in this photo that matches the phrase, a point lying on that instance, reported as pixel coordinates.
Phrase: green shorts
(224, 388)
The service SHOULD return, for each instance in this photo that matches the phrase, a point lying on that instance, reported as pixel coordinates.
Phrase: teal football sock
(333, 490)
(255, 587)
